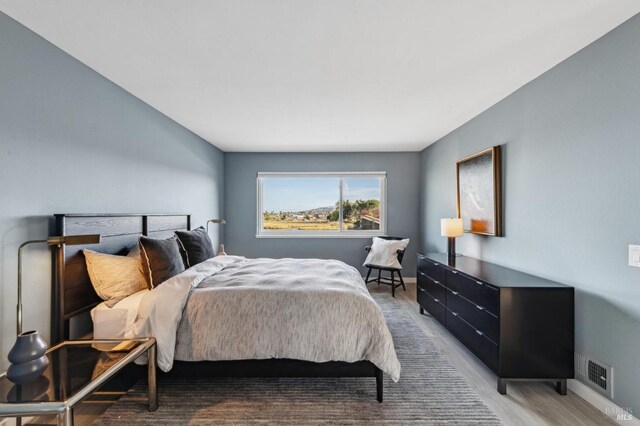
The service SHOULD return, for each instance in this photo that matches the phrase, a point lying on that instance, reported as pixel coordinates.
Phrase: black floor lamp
(69, 240)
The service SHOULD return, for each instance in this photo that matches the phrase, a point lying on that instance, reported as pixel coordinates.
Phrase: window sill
(309, 235)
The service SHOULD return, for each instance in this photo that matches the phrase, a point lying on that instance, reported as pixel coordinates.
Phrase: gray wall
(72, 141)
(403, 172)
(571, 143)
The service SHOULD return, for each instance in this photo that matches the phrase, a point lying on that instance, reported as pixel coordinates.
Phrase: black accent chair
(384, 280)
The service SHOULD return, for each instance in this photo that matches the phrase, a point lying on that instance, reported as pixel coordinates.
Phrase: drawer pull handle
(454, 292)
(437, 282)
(455, 314)
(437, 300)
(480, 332)
(454, 272)
(479, 283)
(436, 264)
(480, 307)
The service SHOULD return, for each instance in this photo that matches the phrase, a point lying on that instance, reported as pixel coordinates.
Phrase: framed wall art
(479, 187)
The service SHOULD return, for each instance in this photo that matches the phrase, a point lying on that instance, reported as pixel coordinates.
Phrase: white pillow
(117, 322)
(384, 253)
(114, 277)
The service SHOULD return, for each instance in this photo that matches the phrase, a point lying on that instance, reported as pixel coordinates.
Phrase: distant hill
(318, 210)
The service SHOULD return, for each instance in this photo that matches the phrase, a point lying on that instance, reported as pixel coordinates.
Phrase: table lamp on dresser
(451, 228)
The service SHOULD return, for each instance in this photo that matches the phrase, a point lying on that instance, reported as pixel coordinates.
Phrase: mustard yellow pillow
(114, 277)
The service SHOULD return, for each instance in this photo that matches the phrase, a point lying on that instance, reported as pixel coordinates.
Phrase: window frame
(340, 233)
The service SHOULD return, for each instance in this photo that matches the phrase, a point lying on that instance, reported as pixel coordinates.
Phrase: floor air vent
(594, 373)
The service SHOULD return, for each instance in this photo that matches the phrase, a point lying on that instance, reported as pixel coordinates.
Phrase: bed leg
(379, 384)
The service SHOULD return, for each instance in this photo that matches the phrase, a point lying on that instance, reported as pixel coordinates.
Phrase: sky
(298, 194)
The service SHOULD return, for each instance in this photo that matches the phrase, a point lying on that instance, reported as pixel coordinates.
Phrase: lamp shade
(451, 227)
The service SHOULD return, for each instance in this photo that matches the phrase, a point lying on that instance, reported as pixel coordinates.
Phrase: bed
(253, 291)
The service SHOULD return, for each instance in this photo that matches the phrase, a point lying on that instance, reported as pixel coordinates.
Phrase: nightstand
(76, 369)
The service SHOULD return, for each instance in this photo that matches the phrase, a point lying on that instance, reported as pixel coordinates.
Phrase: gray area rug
(430, 391)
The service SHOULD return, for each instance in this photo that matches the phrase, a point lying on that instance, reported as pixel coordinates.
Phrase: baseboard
(617, 414)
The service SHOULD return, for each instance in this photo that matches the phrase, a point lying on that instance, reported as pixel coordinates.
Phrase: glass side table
(76, 369)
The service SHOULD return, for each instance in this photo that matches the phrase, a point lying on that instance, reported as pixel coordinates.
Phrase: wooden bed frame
(73, 294)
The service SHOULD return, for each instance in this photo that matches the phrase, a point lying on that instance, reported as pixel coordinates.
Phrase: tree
(347, 210)
(353, 211)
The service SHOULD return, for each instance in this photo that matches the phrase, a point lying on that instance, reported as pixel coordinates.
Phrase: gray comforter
(306, 309)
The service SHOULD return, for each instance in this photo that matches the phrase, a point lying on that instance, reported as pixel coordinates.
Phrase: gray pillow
(161, 260)
(196, 246)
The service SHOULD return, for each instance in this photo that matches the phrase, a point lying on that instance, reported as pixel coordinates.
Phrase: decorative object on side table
(451, 228)
(27, 357)
(479, 192)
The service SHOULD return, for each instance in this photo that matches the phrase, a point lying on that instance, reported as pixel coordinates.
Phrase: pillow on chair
(384, 253)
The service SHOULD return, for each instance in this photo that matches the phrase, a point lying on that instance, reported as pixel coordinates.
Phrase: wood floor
(526, 403)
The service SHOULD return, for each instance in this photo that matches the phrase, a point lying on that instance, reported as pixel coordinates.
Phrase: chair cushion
(384, 253)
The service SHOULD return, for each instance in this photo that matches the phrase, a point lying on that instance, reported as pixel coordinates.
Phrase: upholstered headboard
(72, 292)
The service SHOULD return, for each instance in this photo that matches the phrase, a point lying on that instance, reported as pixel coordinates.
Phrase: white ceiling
(321, 75)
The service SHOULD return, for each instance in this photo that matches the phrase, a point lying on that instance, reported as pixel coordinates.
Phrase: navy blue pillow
(196, 246)
(161, 259)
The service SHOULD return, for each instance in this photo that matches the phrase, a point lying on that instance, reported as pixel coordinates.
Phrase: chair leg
(379, 272)
(366, 280)
(393, 285)
(401, 281)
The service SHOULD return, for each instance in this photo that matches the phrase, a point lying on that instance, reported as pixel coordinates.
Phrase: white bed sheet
(116, 322)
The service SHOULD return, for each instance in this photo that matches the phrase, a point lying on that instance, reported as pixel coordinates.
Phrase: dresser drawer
(431, 268)
(475, 315)
(433, 287)
(432, 305)
(474, 290)
(482, 347)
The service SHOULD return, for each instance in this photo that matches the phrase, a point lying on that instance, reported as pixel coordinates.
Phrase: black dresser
(519, 325)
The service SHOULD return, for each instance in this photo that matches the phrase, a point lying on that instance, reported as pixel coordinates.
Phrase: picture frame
(479, 192)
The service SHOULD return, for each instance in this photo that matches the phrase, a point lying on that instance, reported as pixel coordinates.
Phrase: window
(321, 204)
